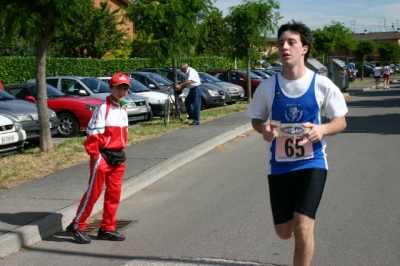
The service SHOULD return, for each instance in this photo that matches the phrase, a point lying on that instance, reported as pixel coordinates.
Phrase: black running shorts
(298, 191)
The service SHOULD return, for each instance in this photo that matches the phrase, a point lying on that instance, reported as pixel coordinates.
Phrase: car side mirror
(30, 99)
(82, 93)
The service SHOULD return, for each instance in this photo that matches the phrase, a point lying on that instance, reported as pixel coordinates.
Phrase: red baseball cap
(118, 79)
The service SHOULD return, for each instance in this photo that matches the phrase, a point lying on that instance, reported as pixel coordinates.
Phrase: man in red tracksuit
(107, 130)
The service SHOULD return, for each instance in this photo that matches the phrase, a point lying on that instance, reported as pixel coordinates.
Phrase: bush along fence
(19, 69)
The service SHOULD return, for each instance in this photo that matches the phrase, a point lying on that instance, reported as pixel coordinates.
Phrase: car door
(149, 83)
(54, 82)
(235, 78)
(71, 86)
(20, 92)
(222, 76)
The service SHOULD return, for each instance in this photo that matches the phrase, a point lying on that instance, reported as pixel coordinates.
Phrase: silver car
(12, 135)
(26, 113)
(138, 108)
(233, 92)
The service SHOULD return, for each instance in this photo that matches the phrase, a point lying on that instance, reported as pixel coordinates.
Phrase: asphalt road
(215, 210)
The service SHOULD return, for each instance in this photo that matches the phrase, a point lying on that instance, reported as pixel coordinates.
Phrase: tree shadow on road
(379, 123)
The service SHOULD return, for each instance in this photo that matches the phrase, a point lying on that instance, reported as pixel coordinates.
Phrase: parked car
(155, 99)
(233, 92)
(368, 71)
(276, 66)
(211, 95)
(138, 108)
(238, 77)
(396, 68)
(260, 73)
(26, 113)
(12, 135)
(74, 112)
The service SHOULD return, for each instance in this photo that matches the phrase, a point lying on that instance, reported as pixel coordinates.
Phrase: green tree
(363, 48)
(333, 37)
(249, 24)
(213, 40)
(171, 26)
(38, 22)
(388, 52)
(140, 45)
(94, 36)
(15, 47)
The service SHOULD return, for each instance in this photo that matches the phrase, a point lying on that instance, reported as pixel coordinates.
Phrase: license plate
(223, 97)
(7, 139)
(242, 95)
(143, 110)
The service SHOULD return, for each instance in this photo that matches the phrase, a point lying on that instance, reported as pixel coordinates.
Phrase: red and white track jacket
(108, 128)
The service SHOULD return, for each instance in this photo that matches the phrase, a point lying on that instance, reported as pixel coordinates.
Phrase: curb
(43, 228)
(351, 93)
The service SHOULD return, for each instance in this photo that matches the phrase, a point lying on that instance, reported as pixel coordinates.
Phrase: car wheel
(69, 125)
(150, 115)
(203, 104)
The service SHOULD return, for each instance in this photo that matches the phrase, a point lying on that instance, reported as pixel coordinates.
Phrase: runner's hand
(315, 133)
(270, 131)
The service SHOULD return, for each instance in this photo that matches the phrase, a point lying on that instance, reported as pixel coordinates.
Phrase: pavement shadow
(22, 218)
(377, 124)
(40, 220)
(375, 93)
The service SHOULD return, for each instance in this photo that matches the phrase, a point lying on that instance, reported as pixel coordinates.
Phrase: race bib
(291, 145)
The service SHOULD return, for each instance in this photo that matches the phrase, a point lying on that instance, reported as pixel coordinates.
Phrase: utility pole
(384, 24)
(353, 26)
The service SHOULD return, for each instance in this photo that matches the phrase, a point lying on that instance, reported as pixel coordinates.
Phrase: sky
(358, 16)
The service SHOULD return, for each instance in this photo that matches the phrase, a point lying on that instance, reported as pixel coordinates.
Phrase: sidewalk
(40, 208)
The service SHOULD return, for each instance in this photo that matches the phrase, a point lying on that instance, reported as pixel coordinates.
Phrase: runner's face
(119, 92)
(291, 50)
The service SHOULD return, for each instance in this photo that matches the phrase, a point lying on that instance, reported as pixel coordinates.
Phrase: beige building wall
(128, 27)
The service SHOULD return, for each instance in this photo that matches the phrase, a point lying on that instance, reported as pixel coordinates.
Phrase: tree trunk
(248, 77)
(174, 73)
(46, 144)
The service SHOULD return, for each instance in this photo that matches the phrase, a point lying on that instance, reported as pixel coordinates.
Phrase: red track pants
(100, 172)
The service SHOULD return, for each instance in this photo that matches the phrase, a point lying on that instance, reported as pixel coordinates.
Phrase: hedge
(15, 70)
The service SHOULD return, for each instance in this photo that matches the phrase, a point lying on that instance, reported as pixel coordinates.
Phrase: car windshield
(96, 85)
(4, 96)
(51, 92)
(160, 79)
(252, 75)
(136, 86)
(205, 77)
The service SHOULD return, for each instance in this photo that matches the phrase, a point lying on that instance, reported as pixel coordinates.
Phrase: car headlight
(231, 89)
(17, 126)
(23, 117)
(53, 114)
(213, 92)
(90, 107)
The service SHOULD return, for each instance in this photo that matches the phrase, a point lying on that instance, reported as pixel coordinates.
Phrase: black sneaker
(80, 236)
(110, 235)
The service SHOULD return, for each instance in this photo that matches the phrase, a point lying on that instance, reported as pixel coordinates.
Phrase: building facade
(128, 26)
